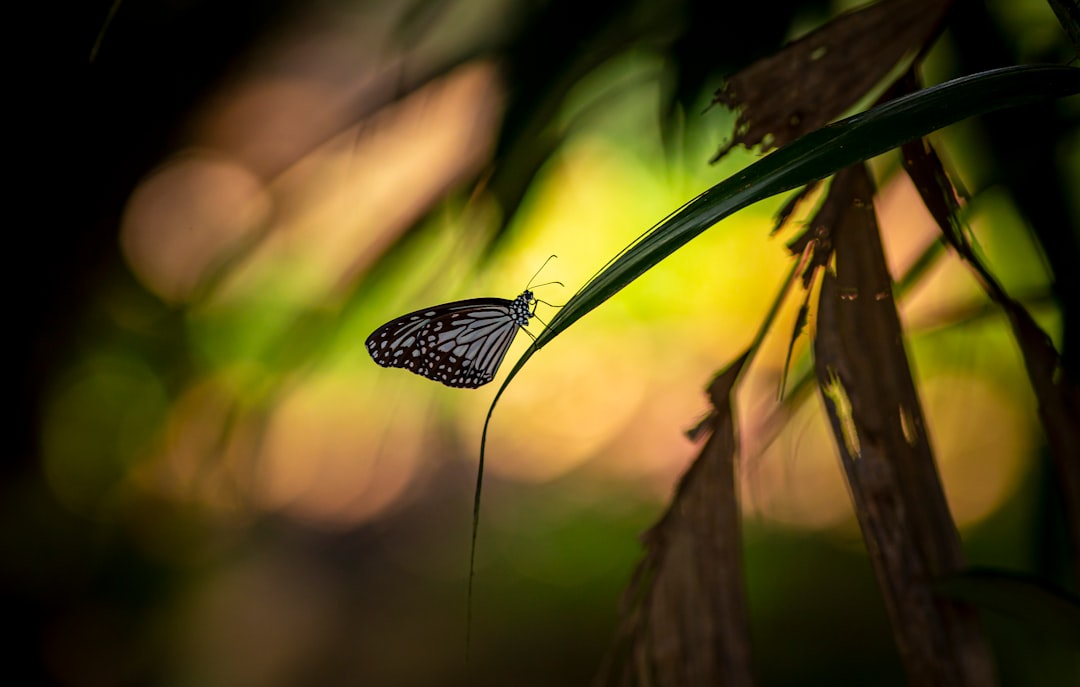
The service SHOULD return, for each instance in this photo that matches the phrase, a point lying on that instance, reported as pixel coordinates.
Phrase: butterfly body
(459, 344)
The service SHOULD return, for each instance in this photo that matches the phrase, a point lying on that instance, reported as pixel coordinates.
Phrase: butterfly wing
(459, 344)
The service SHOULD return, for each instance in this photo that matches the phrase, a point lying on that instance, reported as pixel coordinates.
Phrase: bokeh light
(301, 512)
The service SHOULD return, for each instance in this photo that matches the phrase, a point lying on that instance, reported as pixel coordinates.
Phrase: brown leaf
(874, 410)
(816, 78)
(684, 618)
(815, 243)
(788, 208)
(1059, 408)
(1059, 400)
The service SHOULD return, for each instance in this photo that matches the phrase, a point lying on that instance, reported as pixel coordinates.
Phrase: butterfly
(460, 344)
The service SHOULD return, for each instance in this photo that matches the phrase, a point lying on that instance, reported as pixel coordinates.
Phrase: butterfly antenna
(550, 258)
(548, 283)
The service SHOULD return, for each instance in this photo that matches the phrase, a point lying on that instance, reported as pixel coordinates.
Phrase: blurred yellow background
(248, 499)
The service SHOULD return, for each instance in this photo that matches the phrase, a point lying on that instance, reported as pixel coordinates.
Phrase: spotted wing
(459, 344)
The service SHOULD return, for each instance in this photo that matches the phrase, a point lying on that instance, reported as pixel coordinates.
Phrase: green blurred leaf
(1044, 608)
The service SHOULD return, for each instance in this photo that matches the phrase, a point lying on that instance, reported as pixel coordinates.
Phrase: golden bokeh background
(247, 499)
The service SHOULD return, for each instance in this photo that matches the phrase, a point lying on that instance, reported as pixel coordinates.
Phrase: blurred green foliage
(136, 541)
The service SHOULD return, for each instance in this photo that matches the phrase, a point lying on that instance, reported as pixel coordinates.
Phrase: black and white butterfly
(460, 344)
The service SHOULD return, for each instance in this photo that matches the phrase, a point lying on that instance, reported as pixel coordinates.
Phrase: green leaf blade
(816, 156)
